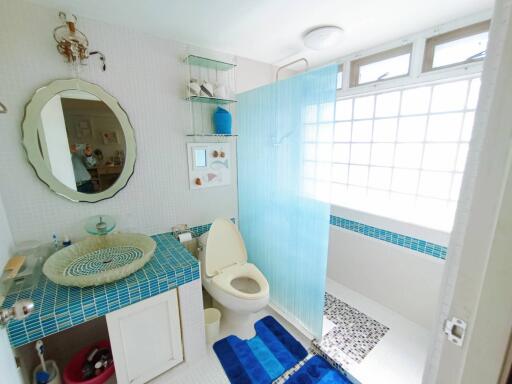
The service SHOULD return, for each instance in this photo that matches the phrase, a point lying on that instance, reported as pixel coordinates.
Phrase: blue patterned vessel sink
(99, 260)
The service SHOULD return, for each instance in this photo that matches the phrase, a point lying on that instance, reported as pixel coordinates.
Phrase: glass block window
(399, 154)
(464, 45)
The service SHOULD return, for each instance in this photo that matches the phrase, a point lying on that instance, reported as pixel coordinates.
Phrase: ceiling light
(323, 37)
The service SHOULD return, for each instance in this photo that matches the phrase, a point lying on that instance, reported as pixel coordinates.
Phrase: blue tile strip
(58, 307)
(417, 245)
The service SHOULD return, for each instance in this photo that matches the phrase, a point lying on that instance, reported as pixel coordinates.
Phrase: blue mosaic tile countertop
(58, 307)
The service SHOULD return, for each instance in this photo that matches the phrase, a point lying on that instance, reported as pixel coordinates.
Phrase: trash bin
(212, 324)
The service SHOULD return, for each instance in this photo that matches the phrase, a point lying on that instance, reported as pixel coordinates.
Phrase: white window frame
(416, 73)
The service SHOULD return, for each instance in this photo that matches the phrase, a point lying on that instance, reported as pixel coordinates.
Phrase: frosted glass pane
(310, 132)
(382, 154)
(323, 191)
(324, 152)
(325, 133)
(323, 171)
(384, 130)
(339, 173)
(467, 128)
(387, 104)
(310, 152)
(308, 187)
(363, 107)
(385, 69)
(362, 131)
(380, 177)
(405, 180)
(339, 80)
(408, 155)
(358, 175)
(341, 153)
(342, 131)
(309, 169)
(411, 128)
(462, 157)
(439, 157)
(444, 127)
(326, 112)
(460, 50)
(435, 184)
(456, 185)
(415, 101)
(339, 194)
(311, 113)
(360, 154)
(449, 97)
(344, 109)
(473, 93)
(297, 279)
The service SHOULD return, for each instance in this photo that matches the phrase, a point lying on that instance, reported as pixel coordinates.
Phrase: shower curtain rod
(293, 62)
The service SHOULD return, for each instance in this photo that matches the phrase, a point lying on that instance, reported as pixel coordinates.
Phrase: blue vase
(222, 121)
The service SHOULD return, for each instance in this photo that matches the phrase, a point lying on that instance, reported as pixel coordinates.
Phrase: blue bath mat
(263, 358)
(317, 371)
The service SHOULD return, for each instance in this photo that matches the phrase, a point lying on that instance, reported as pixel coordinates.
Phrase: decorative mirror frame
(32, 124)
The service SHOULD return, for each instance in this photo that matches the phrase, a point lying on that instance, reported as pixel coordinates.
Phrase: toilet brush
(40, 353)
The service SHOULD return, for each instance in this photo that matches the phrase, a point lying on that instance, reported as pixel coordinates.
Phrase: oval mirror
(79, 140)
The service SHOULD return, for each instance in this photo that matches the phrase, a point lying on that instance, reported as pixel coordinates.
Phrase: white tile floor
(397, 359)
(400, 356)
(208, 370)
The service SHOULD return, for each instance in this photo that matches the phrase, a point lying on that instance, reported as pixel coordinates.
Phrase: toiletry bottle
(66, 242)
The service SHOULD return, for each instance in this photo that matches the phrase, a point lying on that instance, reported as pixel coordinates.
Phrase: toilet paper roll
(183, 237)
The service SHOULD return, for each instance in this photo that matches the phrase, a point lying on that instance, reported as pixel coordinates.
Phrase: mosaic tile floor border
(354, 336)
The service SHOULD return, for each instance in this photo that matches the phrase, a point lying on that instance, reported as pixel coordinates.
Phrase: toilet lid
(224, 247)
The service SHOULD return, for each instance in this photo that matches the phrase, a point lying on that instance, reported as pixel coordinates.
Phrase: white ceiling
(271, 30)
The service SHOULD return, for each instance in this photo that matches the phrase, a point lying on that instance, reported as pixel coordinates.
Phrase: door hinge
(455, 329)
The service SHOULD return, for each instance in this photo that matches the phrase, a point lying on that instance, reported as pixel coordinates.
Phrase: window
(399, 154)
(464, 45)
(382, 66)
(339, 78)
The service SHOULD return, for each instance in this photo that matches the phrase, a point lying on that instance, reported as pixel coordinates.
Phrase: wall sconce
(73, 44)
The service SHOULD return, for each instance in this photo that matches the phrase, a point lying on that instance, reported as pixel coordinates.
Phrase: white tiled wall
(144, 73)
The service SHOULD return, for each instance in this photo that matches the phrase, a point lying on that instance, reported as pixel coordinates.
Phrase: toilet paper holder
(182, 233)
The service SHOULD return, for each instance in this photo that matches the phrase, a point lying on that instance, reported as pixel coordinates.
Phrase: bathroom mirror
(79, 140)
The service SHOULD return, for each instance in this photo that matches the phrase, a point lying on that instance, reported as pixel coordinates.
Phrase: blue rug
(317, 371)
(263, 358)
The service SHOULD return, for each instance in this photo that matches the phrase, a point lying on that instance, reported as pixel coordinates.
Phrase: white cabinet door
(146, 338)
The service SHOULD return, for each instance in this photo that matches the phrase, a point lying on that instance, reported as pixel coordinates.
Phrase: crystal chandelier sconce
(73, 44)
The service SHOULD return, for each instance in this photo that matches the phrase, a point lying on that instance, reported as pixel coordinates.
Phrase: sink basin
(99, 260)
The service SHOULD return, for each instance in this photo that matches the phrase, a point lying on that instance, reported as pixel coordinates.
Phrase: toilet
(237, 287)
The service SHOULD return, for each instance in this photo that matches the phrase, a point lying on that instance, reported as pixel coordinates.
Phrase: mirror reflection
(81, 141)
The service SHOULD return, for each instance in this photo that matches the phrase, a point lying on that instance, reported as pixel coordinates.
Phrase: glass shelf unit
(209, 100)
(222, 78)
(209, 63)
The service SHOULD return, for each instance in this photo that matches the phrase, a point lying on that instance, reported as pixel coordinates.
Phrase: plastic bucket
(212, 323)
(73, 371)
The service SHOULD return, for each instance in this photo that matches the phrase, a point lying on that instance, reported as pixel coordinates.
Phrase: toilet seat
(223, 281)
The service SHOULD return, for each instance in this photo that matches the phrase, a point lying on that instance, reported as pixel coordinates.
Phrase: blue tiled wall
(417, 245)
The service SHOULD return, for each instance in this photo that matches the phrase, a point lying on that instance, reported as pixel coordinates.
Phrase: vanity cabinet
(146, 338)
